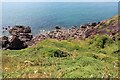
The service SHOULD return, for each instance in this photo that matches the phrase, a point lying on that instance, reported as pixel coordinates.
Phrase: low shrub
(100, 41)
(60, 53)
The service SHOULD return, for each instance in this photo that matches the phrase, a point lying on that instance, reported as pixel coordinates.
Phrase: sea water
(46, 15)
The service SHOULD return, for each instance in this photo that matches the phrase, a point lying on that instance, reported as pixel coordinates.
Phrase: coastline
(82, 32)
(23, 34)
(90, 57)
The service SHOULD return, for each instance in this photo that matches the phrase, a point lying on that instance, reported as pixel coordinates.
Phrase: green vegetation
(113, 20)
(95, 57)
(100, 27)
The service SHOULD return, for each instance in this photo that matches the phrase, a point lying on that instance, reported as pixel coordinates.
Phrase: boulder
(4, 41)
(57, 27)
(27, 30)
(83, 26)
(74, 27)
(19, 36)
(93, 24)
(16, 44)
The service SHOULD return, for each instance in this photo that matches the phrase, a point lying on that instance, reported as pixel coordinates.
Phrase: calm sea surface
(44, 16)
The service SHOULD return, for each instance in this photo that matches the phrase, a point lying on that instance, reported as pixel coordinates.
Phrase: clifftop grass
(94, 57)
(91, 58)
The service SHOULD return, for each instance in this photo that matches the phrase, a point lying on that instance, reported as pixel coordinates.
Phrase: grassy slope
(85, 59)
(94, 57)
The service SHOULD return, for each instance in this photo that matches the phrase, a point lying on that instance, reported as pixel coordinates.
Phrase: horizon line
(59, 1)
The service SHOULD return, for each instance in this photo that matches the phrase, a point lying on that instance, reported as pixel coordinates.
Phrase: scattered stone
(93, 24)
(57, 27)
(83, 26)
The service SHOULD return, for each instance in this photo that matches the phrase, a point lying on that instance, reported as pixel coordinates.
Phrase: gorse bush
(59, 53)
(100, 41)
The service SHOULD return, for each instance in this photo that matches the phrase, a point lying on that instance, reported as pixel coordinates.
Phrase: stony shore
(21, 36)
(80, 33)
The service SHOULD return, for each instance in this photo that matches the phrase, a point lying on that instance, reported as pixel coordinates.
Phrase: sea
(44, 16)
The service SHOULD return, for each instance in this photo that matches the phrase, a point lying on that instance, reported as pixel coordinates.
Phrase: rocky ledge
(18, 38)
(21, 37)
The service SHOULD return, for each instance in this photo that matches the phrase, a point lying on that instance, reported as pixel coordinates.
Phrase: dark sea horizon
(46, 15)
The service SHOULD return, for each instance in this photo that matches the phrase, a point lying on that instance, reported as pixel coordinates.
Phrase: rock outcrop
(21, 36)
(18, 39)
(4, 41)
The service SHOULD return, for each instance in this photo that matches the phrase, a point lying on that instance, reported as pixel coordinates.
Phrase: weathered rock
(74, 27)
(93, 24)
(83, 26)
(27, 30)
(19, 36)
(16, 44)
(4, 41)
(57, 27)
